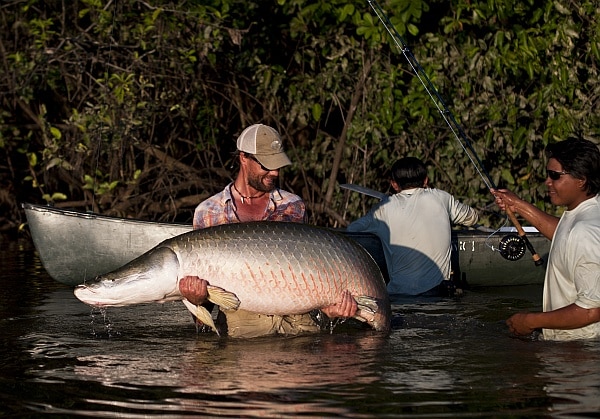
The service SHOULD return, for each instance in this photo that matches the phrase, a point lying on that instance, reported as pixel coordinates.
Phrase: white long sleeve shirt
(414, 227)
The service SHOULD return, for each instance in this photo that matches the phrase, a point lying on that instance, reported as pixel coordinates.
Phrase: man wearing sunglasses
(254, 196)
(571, 302)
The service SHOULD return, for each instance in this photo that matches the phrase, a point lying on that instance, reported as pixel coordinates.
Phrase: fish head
(152, 277)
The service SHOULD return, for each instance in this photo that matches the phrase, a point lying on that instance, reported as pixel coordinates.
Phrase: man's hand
(506, 199)
(345, 308)
(194, 289)
(518, 324)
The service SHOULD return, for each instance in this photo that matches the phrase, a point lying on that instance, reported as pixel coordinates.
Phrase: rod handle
(537, 260)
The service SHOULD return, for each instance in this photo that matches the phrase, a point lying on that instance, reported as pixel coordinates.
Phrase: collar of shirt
(275, 195)
(409, 191)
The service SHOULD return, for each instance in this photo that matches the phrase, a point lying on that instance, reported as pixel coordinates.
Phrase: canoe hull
(479, 263)
(75, 246)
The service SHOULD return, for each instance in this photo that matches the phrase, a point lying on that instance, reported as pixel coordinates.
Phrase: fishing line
(454, 126)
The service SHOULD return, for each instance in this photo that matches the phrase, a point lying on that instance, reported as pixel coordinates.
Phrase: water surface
(450, 357)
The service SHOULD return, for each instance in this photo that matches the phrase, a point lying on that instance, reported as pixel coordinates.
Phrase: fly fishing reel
(512, 247)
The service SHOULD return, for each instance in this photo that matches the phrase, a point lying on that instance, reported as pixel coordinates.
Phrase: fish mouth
(88, 295)
(79, 289)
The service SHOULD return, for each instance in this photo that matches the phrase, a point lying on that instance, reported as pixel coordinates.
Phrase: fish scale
(272, 268)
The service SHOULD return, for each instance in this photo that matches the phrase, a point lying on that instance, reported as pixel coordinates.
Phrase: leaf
(317, 110)
(32, 158)
(55, 133)
(58, 196)
(507, 176)
(53, 162)
(347, 10)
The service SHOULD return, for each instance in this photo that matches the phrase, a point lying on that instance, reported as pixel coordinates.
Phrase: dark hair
(409, 172)
(580, 158)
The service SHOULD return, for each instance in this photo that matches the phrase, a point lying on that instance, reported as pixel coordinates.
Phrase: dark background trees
(132, 107)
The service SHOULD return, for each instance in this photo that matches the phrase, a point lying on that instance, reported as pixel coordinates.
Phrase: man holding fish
(244, 267)
(254, 196)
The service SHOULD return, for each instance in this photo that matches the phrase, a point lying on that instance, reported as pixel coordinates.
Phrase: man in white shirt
(414, 226)
(571, 303)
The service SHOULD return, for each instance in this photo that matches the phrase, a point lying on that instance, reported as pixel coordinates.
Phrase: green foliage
(133, 107)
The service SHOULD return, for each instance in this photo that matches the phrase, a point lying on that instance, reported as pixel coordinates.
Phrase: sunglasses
(554, 175)
(257, 162)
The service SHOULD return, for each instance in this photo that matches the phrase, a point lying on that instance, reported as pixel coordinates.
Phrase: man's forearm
(566, 318)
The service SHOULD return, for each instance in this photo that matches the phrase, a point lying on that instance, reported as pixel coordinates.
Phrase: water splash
(104, 323)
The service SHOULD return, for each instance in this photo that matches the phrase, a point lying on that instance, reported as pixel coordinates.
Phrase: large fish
(264, 267)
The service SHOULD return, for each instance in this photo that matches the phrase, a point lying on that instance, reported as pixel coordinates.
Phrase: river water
(451, 357)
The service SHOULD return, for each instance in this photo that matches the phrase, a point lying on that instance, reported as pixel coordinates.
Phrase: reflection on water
(443, 358)
(570, 373)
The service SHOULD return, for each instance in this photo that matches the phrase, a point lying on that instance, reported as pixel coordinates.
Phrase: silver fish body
(271, 267)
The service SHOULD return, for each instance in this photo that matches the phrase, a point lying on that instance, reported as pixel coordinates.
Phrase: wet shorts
(246, 324)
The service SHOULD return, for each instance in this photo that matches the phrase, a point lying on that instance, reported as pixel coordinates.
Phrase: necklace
(247, 197)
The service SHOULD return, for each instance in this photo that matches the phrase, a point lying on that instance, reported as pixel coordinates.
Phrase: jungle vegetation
(132, 107)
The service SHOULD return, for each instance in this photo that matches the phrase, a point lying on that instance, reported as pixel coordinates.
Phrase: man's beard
(263, 183)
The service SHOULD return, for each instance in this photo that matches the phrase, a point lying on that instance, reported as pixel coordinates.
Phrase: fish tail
(367, 304)
(374, 312)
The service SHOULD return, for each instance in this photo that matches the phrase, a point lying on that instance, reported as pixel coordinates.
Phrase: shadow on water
(449, 357)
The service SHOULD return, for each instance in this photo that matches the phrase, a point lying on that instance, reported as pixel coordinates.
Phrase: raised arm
(544, 222)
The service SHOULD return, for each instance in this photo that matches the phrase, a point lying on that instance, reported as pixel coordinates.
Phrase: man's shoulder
(437, 192)
(283, 195)
(221, 196)
(587, 214)
(213, 204)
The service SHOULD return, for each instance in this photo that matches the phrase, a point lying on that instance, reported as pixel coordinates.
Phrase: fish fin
(367, 304)
(368, 309)
(224, 299)
(202, 314)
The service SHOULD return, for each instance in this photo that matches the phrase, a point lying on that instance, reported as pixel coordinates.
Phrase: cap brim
(273, 161)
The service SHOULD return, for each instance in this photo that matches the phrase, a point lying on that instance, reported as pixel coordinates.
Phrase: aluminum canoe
(75, 246)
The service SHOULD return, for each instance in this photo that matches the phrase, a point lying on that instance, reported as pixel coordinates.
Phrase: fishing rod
(454, 126)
